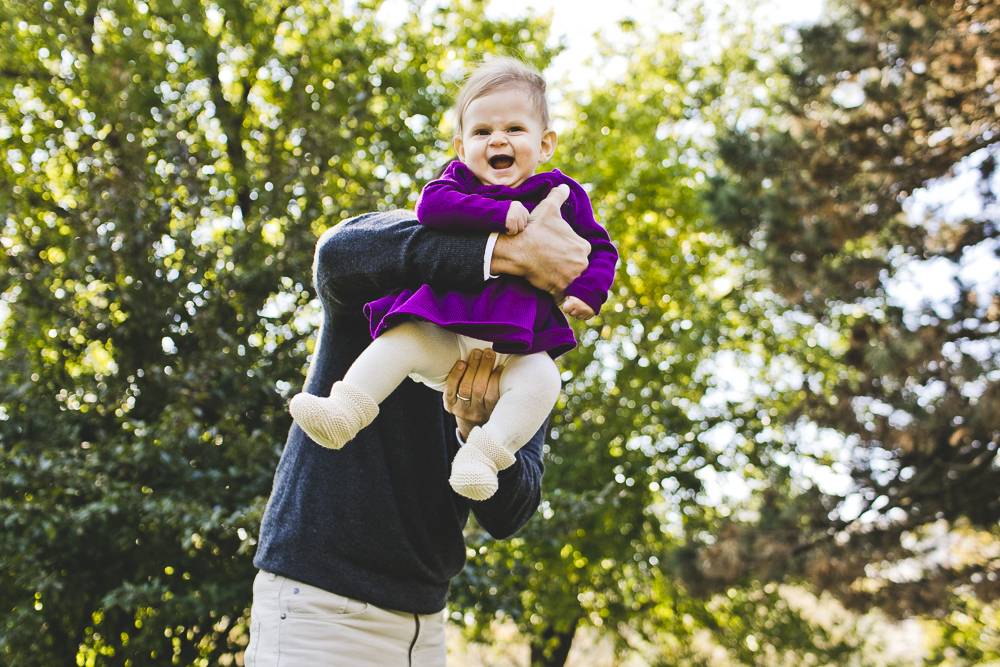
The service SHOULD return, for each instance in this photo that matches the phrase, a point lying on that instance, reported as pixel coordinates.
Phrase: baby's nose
(498, 138)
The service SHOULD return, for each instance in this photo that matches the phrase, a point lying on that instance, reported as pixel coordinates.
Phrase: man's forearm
(364, 258)
(519, 495)
(507, 258)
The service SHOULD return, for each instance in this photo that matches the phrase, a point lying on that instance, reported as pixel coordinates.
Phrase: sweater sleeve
(593, 284)
(519, 493)
(364, 258)
(444, 204)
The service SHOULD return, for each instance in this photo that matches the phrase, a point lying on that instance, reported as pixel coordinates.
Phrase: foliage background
(762, 451)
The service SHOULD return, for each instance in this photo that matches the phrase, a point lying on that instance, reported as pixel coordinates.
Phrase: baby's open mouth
(501, 161)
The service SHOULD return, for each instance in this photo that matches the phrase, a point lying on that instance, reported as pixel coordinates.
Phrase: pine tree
(879, 101)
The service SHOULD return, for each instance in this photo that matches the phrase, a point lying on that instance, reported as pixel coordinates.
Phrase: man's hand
(574, 307)
(477, 381)
(548, 253)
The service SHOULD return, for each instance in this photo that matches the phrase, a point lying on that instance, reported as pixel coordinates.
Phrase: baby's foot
(334, 421)
(474, 470)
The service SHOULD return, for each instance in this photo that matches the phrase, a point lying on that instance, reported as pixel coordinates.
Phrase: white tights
(529, 385)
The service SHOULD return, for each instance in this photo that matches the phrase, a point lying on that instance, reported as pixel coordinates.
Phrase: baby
(503, 133)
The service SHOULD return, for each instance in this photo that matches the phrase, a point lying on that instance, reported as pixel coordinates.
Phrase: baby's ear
(549, 141)
(460, 148)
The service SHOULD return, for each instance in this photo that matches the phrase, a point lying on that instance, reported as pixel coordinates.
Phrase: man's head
(503, 123)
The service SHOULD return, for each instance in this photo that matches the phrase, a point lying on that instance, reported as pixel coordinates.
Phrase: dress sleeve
(593, 284)
(518, 495)
(444, 204)
(364, 258)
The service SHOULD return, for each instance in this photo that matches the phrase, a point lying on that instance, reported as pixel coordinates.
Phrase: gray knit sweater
(376, 521)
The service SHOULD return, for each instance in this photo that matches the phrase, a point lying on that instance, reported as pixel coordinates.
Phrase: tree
(878, 102)
(166, 169)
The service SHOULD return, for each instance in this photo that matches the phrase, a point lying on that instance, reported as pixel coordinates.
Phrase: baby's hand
(577, 308)
(517, 218)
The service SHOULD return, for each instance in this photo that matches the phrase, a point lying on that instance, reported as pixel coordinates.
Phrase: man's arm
(364, 258)
(519, 493)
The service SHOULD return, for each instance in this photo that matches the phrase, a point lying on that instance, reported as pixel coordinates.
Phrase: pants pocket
(305, 600)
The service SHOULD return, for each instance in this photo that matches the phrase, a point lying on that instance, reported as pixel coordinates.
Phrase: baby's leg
(410, 347)
(529, 387)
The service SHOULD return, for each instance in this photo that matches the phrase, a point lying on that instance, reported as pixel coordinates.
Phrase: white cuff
(491, 243)
(458, 435)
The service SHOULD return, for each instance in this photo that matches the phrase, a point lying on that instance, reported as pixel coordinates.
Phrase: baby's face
(503, 140)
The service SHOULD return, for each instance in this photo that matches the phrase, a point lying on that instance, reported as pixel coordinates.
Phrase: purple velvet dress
(507, 311)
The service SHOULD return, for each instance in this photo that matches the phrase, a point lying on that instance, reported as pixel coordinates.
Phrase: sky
(577, 21)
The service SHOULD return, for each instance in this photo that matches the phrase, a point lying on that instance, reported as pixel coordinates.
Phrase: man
(358, 545)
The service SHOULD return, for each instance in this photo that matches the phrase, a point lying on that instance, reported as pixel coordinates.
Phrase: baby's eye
(516, 128)
(481, 133)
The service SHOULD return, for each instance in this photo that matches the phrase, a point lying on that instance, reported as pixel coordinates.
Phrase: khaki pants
(297, 625)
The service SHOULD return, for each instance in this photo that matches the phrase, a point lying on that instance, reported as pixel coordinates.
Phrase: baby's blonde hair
(496, 74)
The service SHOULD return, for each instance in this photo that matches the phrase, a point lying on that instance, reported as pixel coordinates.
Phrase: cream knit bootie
(333, 421)
(474, 470)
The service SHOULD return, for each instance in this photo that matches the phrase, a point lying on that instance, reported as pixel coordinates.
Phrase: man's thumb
(558, 195)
